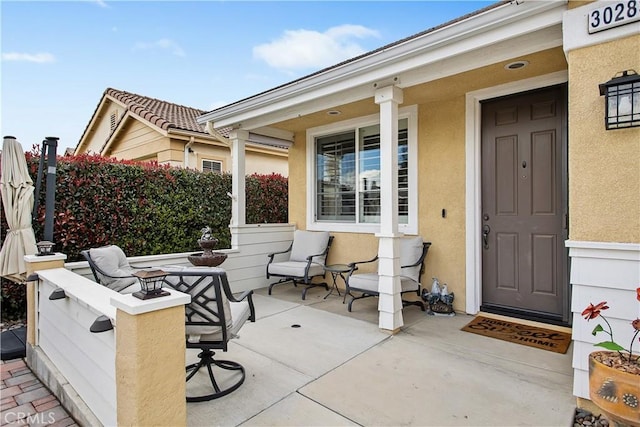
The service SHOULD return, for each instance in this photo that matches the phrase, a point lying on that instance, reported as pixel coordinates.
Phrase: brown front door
(524, 188)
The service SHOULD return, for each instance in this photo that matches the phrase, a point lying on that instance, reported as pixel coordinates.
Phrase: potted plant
(614, 374)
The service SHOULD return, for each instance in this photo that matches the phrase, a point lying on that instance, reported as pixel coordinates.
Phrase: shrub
(146, 208)
(13, 298)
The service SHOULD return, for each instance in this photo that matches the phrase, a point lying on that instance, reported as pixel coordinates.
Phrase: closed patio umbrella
(17, 201)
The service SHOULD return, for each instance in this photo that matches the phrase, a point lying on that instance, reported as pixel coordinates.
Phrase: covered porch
(339, 368)
(334, 368)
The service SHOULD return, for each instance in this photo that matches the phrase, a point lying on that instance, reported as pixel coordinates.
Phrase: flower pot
(614, 391)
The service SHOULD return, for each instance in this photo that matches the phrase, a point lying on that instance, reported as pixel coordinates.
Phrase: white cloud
(101, 3)
(301, 49)
(166, 44)
(28, 57)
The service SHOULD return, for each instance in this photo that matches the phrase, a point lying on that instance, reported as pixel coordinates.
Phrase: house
(487, 136)
(135, 127)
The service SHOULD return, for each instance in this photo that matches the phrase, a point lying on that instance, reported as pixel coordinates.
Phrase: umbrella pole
(51, 144)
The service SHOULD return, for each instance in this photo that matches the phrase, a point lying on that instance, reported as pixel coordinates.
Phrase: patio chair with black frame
(212, 318)
(413, 252)
(307, 256)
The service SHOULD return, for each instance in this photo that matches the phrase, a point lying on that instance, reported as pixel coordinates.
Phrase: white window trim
(410, 113)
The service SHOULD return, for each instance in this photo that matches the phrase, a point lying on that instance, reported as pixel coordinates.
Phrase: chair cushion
(410, 252)
(368, 282)
(240, 312)
(365, 282)
(407, 284)
(294, 269)
(307, 243)
(112, 260)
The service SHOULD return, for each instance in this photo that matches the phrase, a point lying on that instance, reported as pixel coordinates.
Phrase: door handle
(485, 236)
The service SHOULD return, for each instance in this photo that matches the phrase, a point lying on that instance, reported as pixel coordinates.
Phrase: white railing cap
(132, 305)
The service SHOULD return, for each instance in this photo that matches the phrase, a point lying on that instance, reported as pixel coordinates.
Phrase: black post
(36, 202)
(52, 145)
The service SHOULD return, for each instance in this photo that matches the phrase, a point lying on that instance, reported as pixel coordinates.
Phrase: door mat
(532, 336)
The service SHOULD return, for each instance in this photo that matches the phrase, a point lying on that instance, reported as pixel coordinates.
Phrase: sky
(58, 57)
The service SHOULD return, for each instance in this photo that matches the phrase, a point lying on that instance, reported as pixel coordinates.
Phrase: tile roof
(165, 115)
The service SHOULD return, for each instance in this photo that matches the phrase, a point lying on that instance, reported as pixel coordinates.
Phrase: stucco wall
(264, 163)
(256, 161)
(139, 141)
(441, 166)
(441, 185)
(604, 166)
(210, 152)
(298, 184)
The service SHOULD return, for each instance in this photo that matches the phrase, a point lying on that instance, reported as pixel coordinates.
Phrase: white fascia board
(354, 81)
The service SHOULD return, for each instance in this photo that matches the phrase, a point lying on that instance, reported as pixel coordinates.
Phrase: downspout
(211, 130)
(187, 150)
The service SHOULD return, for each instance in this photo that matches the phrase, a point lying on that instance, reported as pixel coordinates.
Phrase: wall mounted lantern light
(150, 284)
(622, 100)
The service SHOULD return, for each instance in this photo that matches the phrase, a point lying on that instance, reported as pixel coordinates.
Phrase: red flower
(592, 311)
(636, 324)
(638, 294)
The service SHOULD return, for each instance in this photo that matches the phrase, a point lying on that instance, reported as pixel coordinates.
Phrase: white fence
(86, 361)
(245, 264)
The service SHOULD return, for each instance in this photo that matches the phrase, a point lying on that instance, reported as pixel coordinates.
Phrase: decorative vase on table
(207, 258)
(614, 374)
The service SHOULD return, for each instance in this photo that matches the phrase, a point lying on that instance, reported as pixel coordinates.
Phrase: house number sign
(614, 15)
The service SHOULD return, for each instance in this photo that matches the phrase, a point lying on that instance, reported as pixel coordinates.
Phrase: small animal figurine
(445, 296)
(206, 233)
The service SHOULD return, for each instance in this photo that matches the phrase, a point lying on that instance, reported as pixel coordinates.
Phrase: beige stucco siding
(604, 165)
(256, 161)
(171, 154)
(264, 163)
(441, 167)
(210, 152)
(298, 183)
(441, 185)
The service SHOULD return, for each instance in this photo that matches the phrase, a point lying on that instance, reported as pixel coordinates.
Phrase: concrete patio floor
(337, 368)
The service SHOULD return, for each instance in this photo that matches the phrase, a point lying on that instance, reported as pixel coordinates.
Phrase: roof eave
(364, 70)
(93, 121)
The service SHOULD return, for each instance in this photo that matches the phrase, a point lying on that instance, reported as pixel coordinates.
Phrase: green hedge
(145, 208)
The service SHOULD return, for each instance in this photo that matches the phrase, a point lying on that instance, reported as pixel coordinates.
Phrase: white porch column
(390, 301)
(238, 139)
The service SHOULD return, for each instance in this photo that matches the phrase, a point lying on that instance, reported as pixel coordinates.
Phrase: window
(211, 166)
(344, 190)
